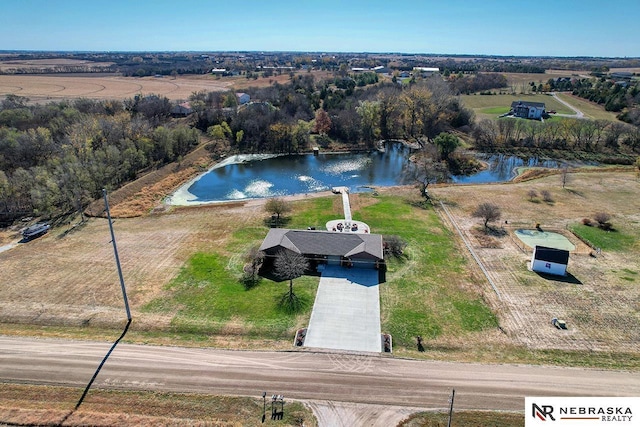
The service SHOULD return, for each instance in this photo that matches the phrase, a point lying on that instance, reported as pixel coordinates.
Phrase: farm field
(74, 284)
(46, 88)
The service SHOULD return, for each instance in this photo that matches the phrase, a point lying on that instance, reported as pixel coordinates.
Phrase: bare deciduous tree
(253, 261)
(546, 196)
(532, 194)
(564, 176)
(488, 212)
(290, 265)
(428, 171)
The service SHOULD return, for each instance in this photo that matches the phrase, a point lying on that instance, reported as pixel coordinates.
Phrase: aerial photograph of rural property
(319, 214)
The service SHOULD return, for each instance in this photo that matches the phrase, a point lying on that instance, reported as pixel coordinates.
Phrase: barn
(550, 260)
(326, 247)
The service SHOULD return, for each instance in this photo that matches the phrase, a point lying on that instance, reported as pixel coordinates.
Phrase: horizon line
(485, 55)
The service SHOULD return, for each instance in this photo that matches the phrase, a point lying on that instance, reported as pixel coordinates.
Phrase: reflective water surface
(306, 173)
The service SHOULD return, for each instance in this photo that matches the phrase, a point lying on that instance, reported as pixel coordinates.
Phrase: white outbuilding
(550, 260)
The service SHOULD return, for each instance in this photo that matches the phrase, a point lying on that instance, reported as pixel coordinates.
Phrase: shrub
(546, 196)
(586, 221)
(394, 245)
(532, 194)
(603, 218)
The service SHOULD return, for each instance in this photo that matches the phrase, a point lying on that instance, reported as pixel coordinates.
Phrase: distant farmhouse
(528, 110)
(243, 98)
(326, 247)
(181, 110)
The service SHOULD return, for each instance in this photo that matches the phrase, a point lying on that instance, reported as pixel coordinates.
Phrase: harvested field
(599, 300)
(68, 276)
(41, 88)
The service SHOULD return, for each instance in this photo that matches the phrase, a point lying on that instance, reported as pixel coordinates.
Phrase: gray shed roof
(559, 256)
(318, 242)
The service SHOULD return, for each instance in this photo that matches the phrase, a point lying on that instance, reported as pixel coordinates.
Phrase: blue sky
(490, 27)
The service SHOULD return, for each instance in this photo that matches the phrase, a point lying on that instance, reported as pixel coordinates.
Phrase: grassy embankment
(49, 405)
(464, 418)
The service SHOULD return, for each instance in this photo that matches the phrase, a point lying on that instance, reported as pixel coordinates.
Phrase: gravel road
(374, 389)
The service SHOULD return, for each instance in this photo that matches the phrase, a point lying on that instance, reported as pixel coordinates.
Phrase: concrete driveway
(346, 312)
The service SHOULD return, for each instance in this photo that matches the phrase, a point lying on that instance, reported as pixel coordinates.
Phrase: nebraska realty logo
(582, 411)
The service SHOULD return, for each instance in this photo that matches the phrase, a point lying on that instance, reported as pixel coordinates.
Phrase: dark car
(35, 230)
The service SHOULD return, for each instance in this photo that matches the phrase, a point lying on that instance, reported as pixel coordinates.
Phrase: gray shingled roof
(528, 104)
(319, 242)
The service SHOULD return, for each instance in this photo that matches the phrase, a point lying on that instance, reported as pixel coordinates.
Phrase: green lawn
(480, 103)
(590, 109)
(617, 240)
(425, 293)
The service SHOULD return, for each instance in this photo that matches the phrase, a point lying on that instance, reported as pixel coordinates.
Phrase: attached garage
(550, 260)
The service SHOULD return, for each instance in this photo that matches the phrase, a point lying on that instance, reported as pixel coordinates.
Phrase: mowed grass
(590, 109)
(487, 104)
(426, 292)
(615, 240)
(208, 296)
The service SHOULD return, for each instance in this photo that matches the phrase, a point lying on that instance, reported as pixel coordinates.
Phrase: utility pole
(453, 394)
(115, 251)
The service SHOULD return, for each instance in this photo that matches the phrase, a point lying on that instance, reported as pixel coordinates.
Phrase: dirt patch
(597, 299)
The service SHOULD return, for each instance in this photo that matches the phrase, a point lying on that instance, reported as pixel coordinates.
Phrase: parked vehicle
(35, 230)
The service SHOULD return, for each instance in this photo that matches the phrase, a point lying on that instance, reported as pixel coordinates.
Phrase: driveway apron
(346, 312)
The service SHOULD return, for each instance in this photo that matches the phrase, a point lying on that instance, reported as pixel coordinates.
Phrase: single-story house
(528, 110)
(550, 260)
(181, 110)
(243, 98)
(326, 247)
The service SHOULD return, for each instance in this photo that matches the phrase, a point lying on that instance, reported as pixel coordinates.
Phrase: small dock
(346, 225)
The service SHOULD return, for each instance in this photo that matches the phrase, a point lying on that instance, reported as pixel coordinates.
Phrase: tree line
(55, 158)
(618, 140)
(335, 109)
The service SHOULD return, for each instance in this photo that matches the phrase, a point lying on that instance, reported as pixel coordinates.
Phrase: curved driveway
(304, 375)
(579, 114)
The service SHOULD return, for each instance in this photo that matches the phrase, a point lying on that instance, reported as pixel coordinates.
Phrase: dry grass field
(600, 298)
(44, 88)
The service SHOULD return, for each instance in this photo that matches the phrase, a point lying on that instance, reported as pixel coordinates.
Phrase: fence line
(471, 251)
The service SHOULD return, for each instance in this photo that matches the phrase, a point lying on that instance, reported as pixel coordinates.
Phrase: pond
(251, 177)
